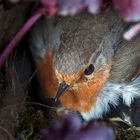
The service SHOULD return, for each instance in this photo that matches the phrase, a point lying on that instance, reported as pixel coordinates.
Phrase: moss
(31, 123)
(132, 133)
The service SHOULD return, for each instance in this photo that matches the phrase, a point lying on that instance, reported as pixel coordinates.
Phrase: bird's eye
(89, 70)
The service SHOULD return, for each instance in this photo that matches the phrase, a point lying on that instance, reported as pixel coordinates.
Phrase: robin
(84, 63)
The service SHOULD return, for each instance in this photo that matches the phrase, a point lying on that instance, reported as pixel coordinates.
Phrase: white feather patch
(110, 94)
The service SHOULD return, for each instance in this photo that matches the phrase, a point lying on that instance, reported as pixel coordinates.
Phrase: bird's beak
(61, 89)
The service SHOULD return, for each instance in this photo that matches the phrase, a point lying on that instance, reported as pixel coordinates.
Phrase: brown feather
(126, 62)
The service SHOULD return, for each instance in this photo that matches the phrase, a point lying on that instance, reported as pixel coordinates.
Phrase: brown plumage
(65, 47)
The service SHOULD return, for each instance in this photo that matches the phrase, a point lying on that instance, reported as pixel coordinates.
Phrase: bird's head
(75, 82)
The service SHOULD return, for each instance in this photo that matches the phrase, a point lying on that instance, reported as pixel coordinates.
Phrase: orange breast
(82, 95)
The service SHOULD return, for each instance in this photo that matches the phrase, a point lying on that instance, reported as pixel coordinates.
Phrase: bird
(84, 63)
